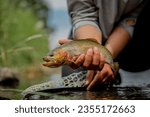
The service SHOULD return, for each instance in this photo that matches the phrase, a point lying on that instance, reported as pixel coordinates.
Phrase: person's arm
(88, 31)
(117, 41)
(122, 34)
(84, 19)
(115, 44)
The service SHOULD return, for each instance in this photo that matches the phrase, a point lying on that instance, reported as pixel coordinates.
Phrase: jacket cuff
(82, 23)
(128, 24)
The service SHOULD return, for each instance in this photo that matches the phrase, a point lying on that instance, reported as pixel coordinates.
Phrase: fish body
(63, 54)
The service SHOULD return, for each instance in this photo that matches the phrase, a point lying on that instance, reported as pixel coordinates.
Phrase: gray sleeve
(129, 21)
(82, 12)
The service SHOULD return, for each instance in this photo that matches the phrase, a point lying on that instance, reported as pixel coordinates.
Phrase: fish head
(55, 59)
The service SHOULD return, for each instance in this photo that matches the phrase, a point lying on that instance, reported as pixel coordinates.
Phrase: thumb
(63, 41)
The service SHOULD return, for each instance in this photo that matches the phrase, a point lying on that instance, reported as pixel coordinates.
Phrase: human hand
(90, 60)
(105, 76)
(63, 41)
(93, 60)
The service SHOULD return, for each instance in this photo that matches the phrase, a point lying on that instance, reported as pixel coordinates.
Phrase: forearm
(88, 31)
(117, 41)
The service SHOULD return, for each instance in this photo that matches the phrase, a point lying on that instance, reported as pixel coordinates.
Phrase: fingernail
(88, 89)
(74, 58)
(90, 50)
(95, 49)
(82, 55)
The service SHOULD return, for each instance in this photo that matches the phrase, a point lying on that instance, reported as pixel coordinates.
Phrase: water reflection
(115, 93)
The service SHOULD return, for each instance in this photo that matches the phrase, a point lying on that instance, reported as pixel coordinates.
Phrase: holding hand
(105, 76)
(91, 60)
(99, 72)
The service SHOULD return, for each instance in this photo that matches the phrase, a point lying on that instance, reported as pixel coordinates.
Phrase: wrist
(110, 49)
(88, 31)
(117, 41)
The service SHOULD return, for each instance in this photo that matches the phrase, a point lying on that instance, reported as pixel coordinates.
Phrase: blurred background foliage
(22, 32)
(23, 36)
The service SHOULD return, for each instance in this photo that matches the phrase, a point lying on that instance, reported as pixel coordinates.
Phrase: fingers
(88, 58)
(96, 56)
(106, 72)
(94, 81)
(107, 75)
(89, 77)
(93, 58)
(63, 41)
(79, 60)
(102, 62)
(102, 77)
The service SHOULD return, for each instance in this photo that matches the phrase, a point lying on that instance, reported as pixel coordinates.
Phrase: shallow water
(113, 93)
(134, 86)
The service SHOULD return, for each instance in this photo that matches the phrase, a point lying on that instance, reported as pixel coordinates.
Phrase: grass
(23, 40)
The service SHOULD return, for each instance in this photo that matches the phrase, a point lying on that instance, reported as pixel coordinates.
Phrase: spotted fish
(63, 56)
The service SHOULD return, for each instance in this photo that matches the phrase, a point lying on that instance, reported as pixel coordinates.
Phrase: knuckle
(98, 74)
(95, 63)
(86, 65)
(79, 61)
(88, 56)
(97, 53)
(110, 74)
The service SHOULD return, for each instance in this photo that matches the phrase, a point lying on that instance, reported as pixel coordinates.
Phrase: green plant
(22, 33)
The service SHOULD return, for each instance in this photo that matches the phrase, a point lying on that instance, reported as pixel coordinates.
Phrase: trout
(63, 54)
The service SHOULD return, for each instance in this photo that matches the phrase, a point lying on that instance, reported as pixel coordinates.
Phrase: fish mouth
(51, 62)
(47, 58)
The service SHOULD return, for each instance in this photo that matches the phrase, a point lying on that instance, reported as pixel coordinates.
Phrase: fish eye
(51, 55)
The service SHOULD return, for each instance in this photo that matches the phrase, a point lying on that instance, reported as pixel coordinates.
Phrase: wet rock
(8, 78)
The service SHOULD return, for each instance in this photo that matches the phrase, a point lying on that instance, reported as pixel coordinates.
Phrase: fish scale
(74, 48)
(58, 57)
